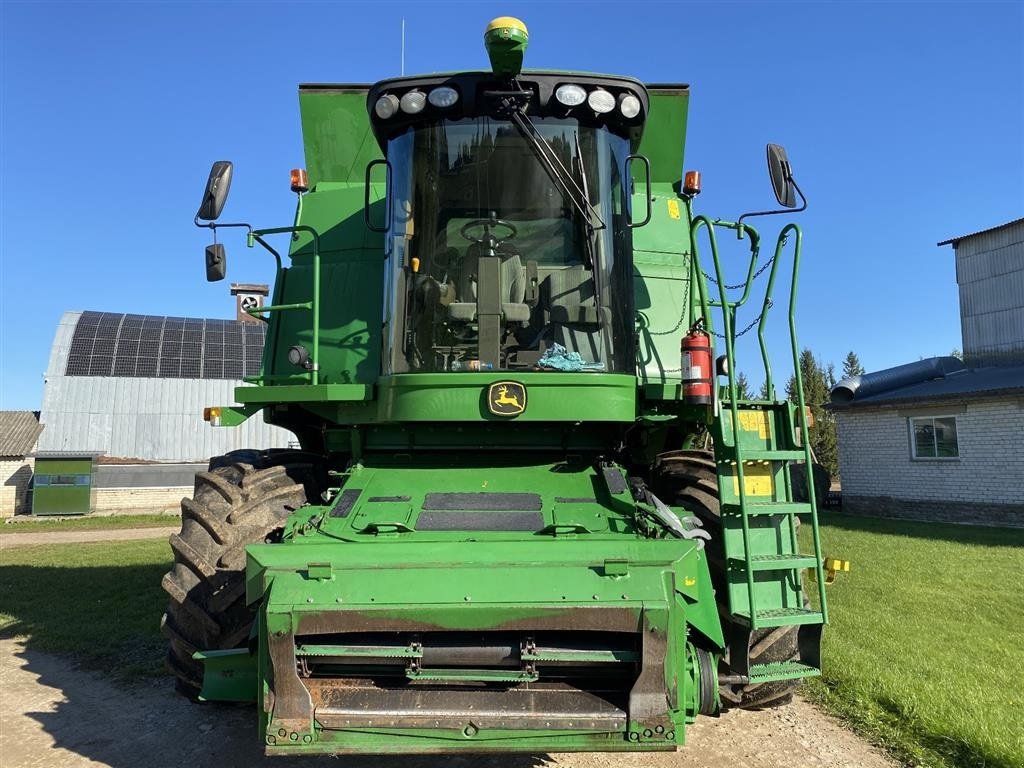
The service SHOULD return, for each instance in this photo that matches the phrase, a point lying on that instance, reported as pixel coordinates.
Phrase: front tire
(244, 498)
(690, 479)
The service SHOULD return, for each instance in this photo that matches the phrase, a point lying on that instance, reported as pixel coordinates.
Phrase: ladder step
(769, 508)
(769, 455)
(782, 617)
(776, 562)
(781, 670)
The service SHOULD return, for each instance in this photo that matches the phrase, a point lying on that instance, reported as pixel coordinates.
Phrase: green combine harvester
(504, 531)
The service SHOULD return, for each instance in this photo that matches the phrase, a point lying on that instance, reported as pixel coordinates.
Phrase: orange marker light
(300, 182)
(691, 183)
(415, 263)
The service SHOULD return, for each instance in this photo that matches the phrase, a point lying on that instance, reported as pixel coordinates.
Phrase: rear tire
(244, 498)
(690, 479)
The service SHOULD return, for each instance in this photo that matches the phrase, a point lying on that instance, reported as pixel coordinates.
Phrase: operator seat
(571, 310)
(513, 288)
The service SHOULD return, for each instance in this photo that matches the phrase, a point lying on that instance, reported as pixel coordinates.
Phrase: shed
(19, 433)
(63, 483)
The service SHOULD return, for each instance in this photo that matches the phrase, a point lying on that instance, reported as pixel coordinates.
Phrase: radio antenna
(403, 47)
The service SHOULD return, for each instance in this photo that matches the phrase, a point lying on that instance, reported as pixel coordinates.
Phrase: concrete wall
(15, 475)
(983, 485)
(118, 489)
(990, 273)
(136, 501)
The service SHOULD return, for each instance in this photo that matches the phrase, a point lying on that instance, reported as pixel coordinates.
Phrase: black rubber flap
(484, 502)
(457, 520)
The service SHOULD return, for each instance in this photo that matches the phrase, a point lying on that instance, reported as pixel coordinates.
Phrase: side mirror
(216, 262)
(216, 193)
(782, 176)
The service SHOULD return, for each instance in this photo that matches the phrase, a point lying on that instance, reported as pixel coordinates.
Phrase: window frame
(911, 433)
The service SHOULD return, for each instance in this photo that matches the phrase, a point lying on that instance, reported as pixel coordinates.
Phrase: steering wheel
(489, 240)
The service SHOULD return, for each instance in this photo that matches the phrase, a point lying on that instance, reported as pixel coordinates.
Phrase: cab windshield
(491, 265)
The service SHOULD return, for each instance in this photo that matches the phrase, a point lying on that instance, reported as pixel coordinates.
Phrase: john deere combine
(492, 335)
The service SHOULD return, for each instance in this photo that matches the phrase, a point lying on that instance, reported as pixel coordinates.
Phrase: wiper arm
(586, 196)
(560, 176)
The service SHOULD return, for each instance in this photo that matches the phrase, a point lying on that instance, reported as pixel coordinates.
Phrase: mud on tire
(689, 479)
(244, 498)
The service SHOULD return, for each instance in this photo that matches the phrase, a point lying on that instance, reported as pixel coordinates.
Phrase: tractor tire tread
(244, 498)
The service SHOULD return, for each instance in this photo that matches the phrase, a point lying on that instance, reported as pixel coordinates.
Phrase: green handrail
(727, 322)
(798, 376)
(313, 305)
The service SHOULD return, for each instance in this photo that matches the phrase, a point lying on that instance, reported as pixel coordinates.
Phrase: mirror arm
(803, 207)
(265, 244)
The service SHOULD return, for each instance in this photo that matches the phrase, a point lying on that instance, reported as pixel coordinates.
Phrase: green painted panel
(62, 486)
(665, 132)
(351, 290)
(336, 132)
(555, 397)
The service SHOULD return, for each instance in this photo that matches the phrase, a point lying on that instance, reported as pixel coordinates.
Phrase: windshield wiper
(512, 102)
(587, 224)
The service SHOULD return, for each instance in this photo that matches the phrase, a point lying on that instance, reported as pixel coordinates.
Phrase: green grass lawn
(101, 602)
(924, 652)
(42, 524)
(923, 655)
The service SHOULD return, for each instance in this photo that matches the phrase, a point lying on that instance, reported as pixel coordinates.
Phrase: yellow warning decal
(755, 421)
(673, 209)
(758, 480)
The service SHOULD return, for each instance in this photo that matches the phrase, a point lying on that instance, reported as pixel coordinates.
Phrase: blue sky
(904, 123)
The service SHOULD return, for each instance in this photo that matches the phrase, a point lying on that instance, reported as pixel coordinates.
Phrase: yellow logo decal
(673, 209)
(506, 398)
(689, 581)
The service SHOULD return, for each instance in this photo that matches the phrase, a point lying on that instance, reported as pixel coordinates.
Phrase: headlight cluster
(413, 102)
(599, 100)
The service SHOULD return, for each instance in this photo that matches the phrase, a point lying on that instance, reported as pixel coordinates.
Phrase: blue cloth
(560, 359)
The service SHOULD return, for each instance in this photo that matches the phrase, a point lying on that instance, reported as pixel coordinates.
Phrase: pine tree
(743, 387)
(764, 394)
(818, 382)
(852, 366)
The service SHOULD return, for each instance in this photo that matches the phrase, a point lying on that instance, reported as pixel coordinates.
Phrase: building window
(933, 437)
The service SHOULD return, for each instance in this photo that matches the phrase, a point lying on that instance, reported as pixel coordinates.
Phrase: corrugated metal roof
(980, 232)
(19, 431)
(962, 385)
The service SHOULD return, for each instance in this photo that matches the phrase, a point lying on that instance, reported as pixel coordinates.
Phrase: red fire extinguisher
(695, 350)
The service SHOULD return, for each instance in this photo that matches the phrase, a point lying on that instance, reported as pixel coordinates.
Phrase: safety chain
(753, 322)
(682, 316)
(743, 284)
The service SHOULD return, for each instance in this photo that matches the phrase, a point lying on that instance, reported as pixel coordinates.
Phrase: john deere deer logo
(506, 398)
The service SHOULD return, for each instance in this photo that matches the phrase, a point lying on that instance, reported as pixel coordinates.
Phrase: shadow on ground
(988, 536)
(83, 658)
(125, 726)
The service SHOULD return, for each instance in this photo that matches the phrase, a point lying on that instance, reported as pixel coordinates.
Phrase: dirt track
(53, 714)
(10, 540)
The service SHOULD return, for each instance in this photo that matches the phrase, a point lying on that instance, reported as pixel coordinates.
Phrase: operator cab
(507, 237)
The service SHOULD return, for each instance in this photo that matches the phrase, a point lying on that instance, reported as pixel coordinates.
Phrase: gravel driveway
(54, 714)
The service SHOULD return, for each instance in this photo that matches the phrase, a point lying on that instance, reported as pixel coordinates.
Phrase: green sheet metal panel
(664, 137)
(62, 485)
(336, 132)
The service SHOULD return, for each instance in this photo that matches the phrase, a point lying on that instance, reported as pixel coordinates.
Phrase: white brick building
(940, 439)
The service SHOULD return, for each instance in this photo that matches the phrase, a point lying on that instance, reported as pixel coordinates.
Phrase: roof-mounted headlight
(443, 97)
(601, 101)
(570, 95)
(629, 106)
(413, 102)
(386, 106)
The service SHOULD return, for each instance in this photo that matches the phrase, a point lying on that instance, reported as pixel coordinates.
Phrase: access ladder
(756, 445)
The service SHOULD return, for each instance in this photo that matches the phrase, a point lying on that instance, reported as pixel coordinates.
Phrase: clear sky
(904, 124)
